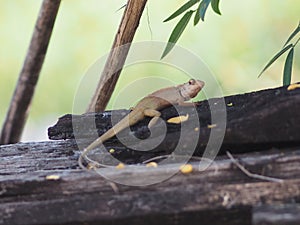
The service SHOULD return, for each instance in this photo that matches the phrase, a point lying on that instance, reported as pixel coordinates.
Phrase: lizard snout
(200, 83)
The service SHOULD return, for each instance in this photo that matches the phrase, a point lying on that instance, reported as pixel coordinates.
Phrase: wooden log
(255, 121)
(222, 194)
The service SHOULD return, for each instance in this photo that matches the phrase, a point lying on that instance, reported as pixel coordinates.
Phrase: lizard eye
(192, 82)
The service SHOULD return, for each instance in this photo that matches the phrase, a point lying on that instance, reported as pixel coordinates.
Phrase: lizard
(149, 106)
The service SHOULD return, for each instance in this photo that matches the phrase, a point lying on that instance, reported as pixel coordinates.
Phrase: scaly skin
(149, 106)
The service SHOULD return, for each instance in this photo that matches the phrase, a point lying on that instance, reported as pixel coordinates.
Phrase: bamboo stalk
(19, 106)
(117, 56)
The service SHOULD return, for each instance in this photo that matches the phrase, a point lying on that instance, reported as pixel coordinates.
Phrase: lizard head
(191, 89)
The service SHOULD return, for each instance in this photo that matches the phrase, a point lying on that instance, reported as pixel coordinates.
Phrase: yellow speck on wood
(211, 126)
(151, 164)
(230, 104)
(91, 166)
(111, 150)
(120, 166)
(187, 168)
(178, 119)
(52, 177)
(293, 87)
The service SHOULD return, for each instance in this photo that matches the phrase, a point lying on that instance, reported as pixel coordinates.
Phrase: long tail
(83, 156)
(107, 135)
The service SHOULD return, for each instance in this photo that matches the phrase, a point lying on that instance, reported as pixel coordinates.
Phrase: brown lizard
(149, 106)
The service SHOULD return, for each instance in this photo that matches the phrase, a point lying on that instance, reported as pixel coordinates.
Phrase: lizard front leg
(152, 113)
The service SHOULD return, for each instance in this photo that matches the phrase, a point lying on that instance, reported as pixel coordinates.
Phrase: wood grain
(222, 194)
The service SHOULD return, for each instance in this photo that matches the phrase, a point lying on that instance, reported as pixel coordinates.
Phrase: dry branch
(118, 54)
(24, 91)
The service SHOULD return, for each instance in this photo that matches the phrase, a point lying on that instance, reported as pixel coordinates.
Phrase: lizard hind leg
(152, 113)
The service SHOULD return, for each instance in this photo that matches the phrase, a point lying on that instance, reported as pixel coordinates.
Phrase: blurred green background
(235, 46)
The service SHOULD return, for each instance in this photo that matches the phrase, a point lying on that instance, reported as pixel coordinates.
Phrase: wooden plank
(222, 194)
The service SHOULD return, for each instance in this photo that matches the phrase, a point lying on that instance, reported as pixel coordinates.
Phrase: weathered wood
(255, 121)
(115, 61)
(24, 91)
(278, 214)
(222, 194)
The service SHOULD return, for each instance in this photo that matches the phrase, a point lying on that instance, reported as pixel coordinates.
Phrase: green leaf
(288, 66)
(203, 7)
(296, 31)
(215, 6)
(275, 58)
(182, 9)
(177, 31)
(197, 15)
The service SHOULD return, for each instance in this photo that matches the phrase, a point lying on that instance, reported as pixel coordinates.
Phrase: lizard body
(149, 106)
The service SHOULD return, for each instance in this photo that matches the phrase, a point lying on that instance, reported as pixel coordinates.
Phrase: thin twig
(149, 24)
(122, 7)
(249, 174)
(19, 106)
